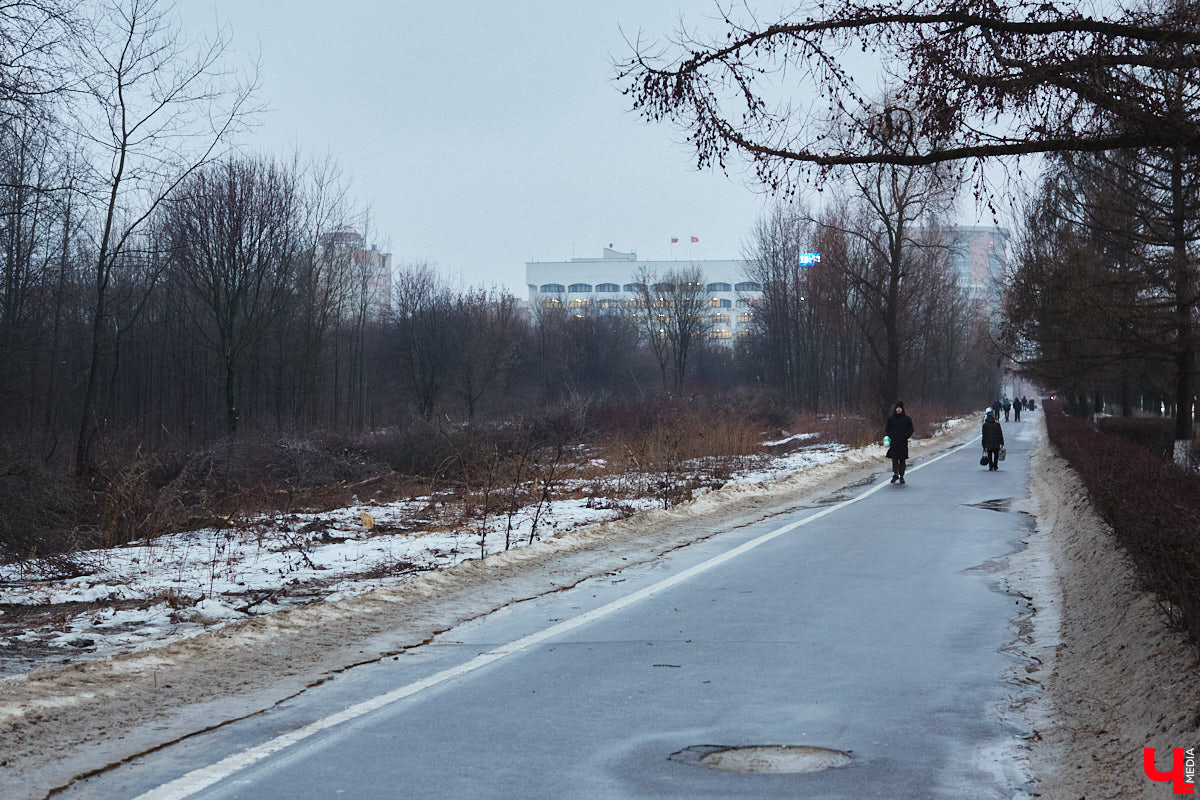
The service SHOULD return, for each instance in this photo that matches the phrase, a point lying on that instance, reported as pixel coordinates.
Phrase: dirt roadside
(1114, 678)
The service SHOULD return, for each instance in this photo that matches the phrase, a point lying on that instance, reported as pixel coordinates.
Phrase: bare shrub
(42, 509)
(1156, 434)
(1152, 505)
(133, 506)
(684, 446)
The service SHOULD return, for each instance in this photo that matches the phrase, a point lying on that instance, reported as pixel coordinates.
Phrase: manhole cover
(766, 759)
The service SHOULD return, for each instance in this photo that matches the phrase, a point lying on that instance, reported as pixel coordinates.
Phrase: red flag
(695, 239)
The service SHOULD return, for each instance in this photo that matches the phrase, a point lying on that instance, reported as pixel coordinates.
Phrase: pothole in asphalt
(772, 759)
(1002, 504)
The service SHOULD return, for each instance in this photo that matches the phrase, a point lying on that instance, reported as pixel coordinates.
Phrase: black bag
(984, 460)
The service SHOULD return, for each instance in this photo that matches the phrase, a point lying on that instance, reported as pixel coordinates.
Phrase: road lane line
(198, 780)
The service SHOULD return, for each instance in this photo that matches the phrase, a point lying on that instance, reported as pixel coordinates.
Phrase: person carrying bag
(993, 443)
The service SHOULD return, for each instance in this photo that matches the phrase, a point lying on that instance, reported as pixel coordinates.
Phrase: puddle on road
(845, 493)
(1001, 504)
(774, 759)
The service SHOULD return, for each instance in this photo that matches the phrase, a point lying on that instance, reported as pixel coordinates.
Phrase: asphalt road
(874, 624)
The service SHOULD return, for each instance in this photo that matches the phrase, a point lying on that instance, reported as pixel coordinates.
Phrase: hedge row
(1156, 434)
(1152, 505)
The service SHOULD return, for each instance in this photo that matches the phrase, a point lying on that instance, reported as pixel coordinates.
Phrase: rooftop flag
(695, 239)
(674, 240)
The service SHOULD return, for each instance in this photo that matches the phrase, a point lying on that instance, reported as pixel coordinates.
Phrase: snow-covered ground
(176, 586)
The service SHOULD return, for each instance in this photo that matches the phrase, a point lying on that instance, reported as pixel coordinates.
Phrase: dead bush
(43, 508)
(1152, 506)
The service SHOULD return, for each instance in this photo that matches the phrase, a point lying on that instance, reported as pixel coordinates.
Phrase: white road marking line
(200, 779)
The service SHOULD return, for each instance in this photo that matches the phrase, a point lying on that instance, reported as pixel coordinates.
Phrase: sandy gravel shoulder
(1105, 675)
(1114, 677)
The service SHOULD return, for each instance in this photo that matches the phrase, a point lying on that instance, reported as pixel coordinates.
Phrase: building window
(607, 287)
(579, 303)
(746, 317)
(720, 287)
(551, 302)
(749, 302)
(635, 287)
(720, 334)
(635, 302)
(749, 286)
(720, 319)
(610, 303)
(719, 302)
(552, 288)
(667, 288)
(579, 288)
(745, 334)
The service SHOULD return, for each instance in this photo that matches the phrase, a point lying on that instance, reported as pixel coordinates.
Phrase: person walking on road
(1007, 406)
(899, 429)
(993, 440)
(1017, 410)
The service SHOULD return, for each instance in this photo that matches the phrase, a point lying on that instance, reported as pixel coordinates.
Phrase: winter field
(107, 602)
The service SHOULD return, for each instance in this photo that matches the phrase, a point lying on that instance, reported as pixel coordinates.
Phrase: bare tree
(318, 278)
(971, 82)
(897, 209)
(36, 37)
(157, 107)
(487, 337)
(673, 310)
(233, 239)
(423, 334)
(1002, 78)
(774, 255)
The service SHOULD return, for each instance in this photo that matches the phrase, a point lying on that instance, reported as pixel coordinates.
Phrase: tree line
(1103, 298)
(160, 288)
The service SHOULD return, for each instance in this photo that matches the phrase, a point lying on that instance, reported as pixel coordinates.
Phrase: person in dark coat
(993, 440)
(899, 428)
(1017, 410)
(996, 406)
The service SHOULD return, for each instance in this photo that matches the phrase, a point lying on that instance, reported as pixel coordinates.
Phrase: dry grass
(664, 448)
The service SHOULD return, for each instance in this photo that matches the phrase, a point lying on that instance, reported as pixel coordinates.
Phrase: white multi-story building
(609, 284)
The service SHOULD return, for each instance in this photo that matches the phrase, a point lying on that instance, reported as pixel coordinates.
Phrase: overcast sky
(486, 134)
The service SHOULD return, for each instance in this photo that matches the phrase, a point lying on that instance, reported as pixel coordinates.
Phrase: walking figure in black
(899, 428)
(993, 440)
(1017, 410)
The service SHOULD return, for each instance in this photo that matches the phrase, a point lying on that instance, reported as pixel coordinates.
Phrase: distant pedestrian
(1017, 410)
(996, 407)
(899, 429)
(993, 440)
(1007, 406)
